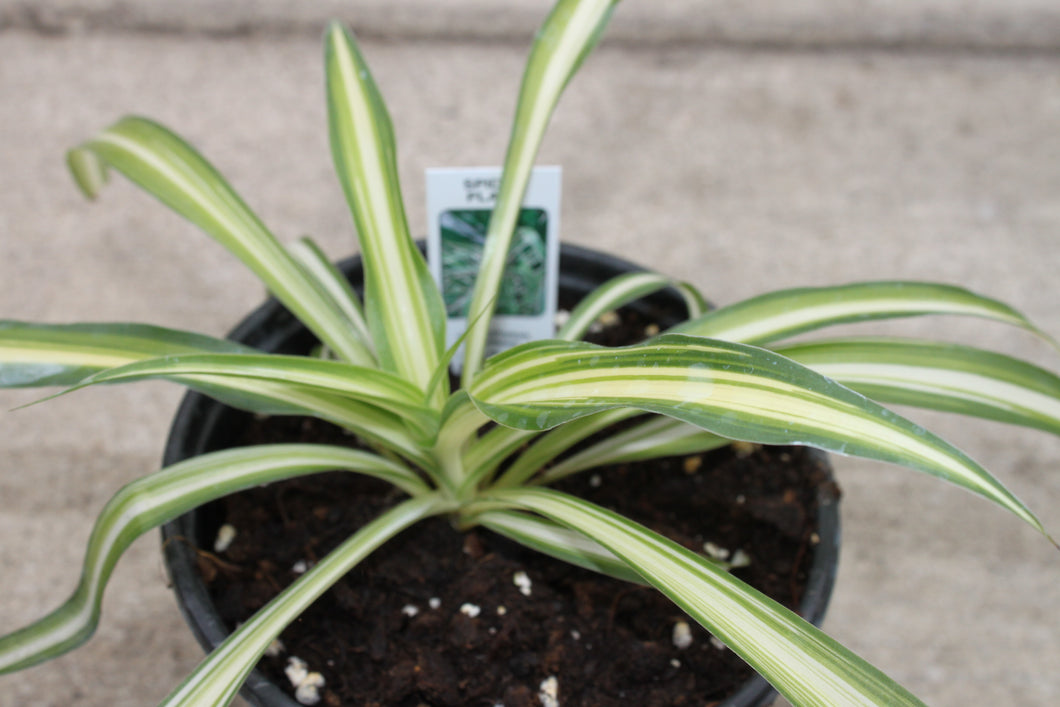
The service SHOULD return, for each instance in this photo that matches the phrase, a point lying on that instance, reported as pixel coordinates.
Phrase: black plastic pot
(203, 425)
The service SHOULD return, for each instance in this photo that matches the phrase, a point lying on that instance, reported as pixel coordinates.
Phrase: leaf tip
(337, 35)
(88, 170)
(334, 28)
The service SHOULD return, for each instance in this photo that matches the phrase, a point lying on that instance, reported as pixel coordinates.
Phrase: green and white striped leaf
(333, 379)
(733, 390)
(63, 354)
(402, 303)
(487, 452)
(804, 664)
(565, 39)
(461, 422)
(218, 678)
(440, 378)
(623, 290)
(939, 376)
(168, 168)
(557, 541)
(150, 501)
(651, 439)
(785, 313)
(322, 271)
(551, 444)
(368, 421)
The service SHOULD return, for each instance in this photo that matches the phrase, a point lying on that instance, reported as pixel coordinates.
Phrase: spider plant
(722, 375)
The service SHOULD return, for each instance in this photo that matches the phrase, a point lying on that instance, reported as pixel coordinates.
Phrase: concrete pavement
(798, 146)
(1018, 26)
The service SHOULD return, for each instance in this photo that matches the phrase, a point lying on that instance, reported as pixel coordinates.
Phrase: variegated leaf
(650, 439)
(939, 376)
(152, 500)
(623, 290)
(323, 272)
(217, 679)
(171, 170)
(568, 35)
(332, 379)
(64, 354)
(804, 664)
(785, 313)
(557, 541)
(402, 303)
(733, 390)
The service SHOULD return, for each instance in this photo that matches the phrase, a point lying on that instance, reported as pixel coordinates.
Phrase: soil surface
(436, 618)
(442, 618)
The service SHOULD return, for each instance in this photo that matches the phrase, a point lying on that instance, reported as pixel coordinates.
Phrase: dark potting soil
(436, 618)
(392, 633)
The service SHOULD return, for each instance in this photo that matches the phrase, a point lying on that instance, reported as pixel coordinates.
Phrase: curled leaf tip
(88, 170)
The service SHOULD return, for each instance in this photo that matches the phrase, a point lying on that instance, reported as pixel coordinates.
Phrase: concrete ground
(742, 150)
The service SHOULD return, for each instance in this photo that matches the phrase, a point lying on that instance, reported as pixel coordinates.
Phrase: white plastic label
(459, 203)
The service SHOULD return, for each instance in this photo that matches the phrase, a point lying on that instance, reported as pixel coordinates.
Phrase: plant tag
(459, 203)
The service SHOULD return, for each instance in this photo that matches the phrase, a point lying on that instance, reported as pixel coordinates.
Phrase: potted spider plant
(482, 452)
(791, 531)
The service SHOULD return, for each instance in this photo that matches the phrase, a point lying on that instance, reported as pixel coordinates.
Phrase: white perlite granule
(296, 670)
(548, 692)
(682, 635)
(306, 684)
(308, 693)
(522, 580)
(225, 535)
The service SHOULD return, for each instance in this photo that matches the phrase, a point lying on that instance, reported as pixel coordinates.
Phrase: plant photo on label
(463, 235)
(501, 446)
